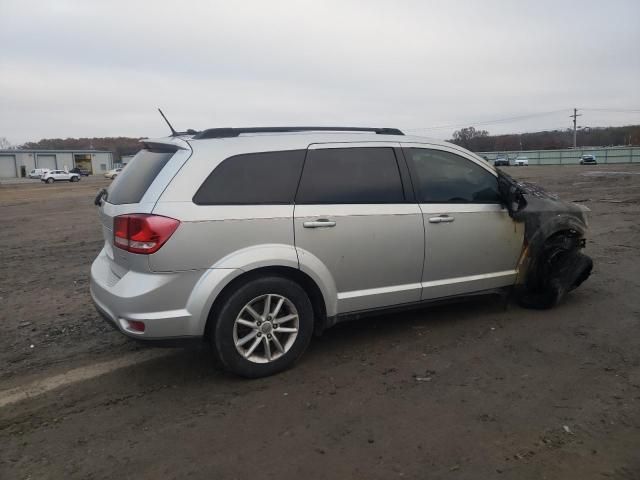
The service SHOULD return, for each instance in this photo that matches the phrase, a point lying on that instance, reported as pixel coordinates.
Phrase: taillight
(141, 232)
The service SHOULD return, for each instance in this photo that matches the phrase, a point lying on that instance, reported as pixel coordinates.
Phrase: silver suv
(254, 239)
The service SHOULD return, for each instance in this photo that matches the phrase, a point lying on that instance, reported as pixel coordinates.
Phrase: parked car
(113, 173)
(59, 175)
(80, 171)
(588, 160)
(501, 161)
(37, 172)
(254, 242)
(521, 161)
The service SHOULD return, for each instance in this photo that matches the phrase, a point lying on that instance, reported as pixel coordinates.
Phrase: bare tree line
(482, 141)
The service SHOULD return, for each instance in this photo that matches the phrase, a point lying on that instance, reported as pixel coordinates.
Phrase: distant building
(18, 163)
(124, 159)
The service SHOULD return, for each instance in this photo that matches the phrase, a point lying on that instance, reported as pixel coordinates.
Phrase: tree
(481, 141)
(468, 137)
(5, 144)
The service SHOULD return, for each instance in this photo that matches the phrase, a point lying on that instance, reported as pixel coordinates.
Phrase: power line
(560, 128)
(616, 110)
(516, 118)
(490, 122)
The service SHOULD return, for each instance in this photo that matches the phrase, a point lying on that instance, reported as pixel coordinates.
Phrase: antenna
(173, 132)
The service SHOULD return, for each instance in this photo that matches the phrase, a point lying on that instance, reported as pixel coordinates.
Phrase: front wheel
(50, 180)
(263, 327)
(561, 273)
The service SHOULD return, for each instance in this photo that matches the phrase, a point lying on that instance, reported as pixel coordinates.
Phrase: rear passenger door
(471, 242)
(356, 216)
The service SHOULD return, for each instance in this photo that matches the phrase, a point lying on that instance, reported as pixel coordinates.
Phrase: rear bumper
(155, 342)
(158, 300)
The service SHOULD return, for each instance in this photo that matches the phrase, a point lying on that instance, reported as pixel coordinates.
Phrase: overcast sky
(72, 68)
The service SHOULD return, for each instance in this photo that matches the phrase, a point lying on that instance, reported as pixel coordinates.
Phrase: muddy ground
(468, 391)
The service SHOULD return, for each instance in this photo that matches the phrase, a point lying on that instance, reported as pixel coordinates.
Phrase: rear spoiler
(167, 144)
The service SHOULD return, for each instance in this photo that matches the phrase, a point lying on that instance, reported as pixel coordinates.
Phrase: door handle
(441, 219)
(320, 223)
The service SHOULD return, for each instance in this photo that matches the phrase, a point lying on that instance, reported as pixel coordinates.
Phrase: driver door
(471, 242)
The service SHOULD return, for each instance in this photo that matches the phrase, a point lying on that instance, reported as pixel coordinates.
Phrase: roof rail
(234, 132)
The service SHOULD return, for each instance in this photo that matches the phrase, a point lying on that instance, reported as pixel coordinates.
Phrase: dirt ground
(467, 391)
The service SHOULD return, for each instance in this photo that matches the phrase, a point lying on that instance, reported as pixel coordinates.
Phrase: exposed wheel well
(565, 239)
(558, 269)
(304, 280)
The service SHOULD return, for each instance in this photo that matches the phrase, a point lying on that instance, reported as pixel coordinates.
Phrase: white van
(37, 172)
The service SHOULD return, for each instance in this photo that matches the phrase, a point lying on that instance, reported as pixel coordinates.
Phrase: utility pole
(575, 117)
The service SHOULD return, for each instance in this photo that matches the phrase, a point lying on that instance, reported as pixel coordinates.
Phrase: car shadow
(195, 365)
(189, 375)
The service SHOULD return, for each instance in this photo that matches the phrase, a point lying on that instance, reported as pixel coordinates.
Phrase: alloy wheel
(266, 328)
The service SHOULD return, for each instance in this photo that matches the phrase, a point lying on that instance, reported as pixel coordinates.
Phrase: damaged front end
(551, 263)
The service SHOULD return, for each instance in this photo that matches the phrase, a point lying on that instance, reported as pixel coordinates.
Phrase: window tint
(253, 178)
(443, 177)
(131, 186)
(350, 175)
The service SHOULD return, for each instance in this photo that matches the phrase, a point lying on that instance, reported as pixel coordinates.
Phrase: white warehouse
(18, 163)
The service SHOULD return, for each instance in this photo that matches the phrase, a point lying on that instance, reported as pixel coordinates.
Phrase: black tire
(221, 333)
(566, 273)
(50, 180)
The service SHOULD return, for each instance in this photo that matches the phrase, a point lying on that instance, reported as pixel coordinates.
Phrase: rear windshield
(133, 181)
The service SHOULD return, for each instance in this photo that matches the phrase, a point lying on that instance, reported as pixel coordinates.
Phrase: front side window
(444, 177)
(253, 179)
(350, 175)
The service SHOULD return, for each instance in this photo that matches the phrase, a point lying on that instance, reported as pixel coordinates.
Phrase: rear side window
(444, 177)
(351, 175)
(253, 179)
(134, 180)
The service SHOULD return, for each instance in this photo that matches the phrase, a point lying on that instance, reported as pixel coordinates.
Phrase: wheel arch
(565, 234)
(311, 288)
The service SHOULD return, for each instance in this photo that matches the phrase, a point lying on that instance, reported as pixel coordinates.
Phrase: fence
(571, 156)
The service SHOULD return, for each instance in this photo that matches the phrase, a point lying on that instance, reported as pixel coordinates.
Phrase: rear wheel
(263, 327)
